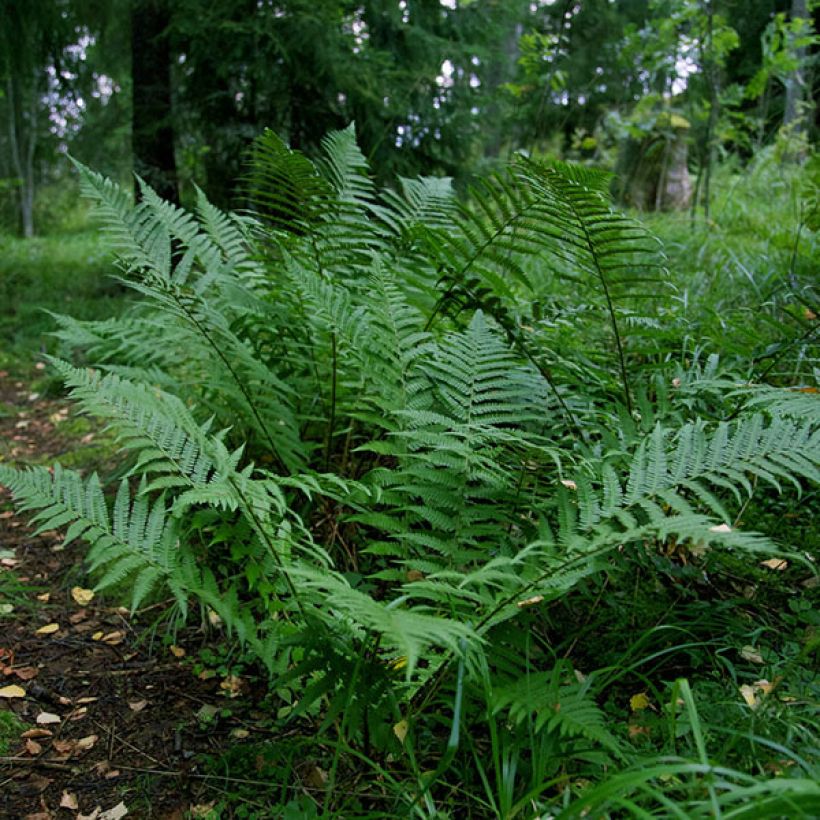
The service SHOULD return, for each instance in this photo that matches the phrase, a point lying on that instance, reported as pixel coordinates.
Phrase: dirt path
(101, 718)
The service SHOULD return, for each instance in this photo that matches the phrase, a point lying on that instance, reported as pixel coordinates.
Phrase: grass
(10, 728)
(63, 273)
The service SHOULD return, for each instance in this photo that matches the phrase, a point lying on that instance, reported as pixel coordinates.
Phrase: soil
(114, 719)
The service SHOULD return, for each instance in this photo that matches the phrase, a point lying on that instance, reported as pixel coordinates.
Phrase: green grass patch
(69, 273)
(10, 728)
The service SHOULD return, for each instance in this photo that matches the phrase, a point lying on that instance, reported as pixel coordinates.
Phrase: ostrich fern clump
(414, 430)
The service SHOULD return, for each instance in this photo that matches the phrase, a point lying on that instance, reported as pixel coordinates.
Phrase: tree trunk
(152, 133)
(796, 81)
(23, 142)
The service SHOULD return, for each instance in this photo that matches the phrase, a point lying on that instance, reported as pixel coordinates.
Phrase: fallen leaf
(720, 528)
(48, 629)
(114, 814)
(12, 691)
(213, 618)
(414, 575)
(634, 730)
(95, 815)
(81, 596)
(751, 653)
(89, 699)
(569, 484)
(240, 734)
(78, 617)
(137, 705)
(26, 672)
(37, 733)
(64, 747)
(38, 783)
(33, 747)
(639, 702)
(39, 815)
(749, 695)
(86, 743)
(400, 730)
(44, 718)
(113, 638)
(97, 636)
(777, 564)
(316, 777)
(232, 686)
(207, 712)
(44, 598)
(177, 651)
(6, 609)
(78, 714)
(69, 801)
(764, 686)
(536, 599)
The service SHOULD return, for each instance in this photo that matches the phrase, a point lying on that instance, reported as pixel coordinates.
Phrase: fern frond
(138, 542)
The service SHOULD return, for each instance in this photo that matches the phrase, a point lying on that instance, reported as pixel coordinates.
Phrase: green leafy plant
(375, 432)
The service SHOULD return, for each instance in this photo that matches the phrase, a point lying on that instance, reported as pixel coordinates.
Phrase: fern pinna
(416, 419)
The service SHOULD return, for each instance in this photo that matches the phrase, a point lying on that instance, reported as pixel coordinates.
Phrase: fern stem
(235, 376)
(332, 421)
(609, 304)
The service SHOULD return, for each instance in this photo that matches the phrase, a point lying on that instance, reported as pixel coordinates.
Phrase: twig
(35, 761)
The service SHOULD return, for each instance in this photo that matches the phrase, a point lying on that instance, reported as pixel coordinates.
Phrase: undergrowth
(473, 482)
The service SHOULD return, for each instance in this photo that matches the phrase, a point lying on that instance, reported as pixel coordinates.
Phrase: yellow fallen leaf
(764, 686)
(400, 730)
(777, 564)
(97, 636)
(48, 629)
(12, 691)
(81, 596)
(177, 651)
(639, 702)
(45, 718)
(749, 695)
(113, 638)
(44, 597)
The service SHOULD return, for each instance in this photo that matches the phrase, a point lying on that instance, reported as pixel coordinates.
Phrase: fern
(139, 542)
(567, 709)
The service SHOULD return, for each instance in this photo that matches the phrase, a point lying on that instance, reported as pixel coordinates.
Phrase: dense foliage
(380, 432)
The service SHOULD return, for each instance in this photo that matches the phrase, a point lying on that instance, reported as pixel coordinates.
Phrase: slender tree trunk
(22, 127)
(152, 133)
(796, 81)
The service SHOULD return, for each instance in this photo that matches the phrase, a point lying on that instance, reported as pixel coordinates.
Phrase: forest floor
(102, 715)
